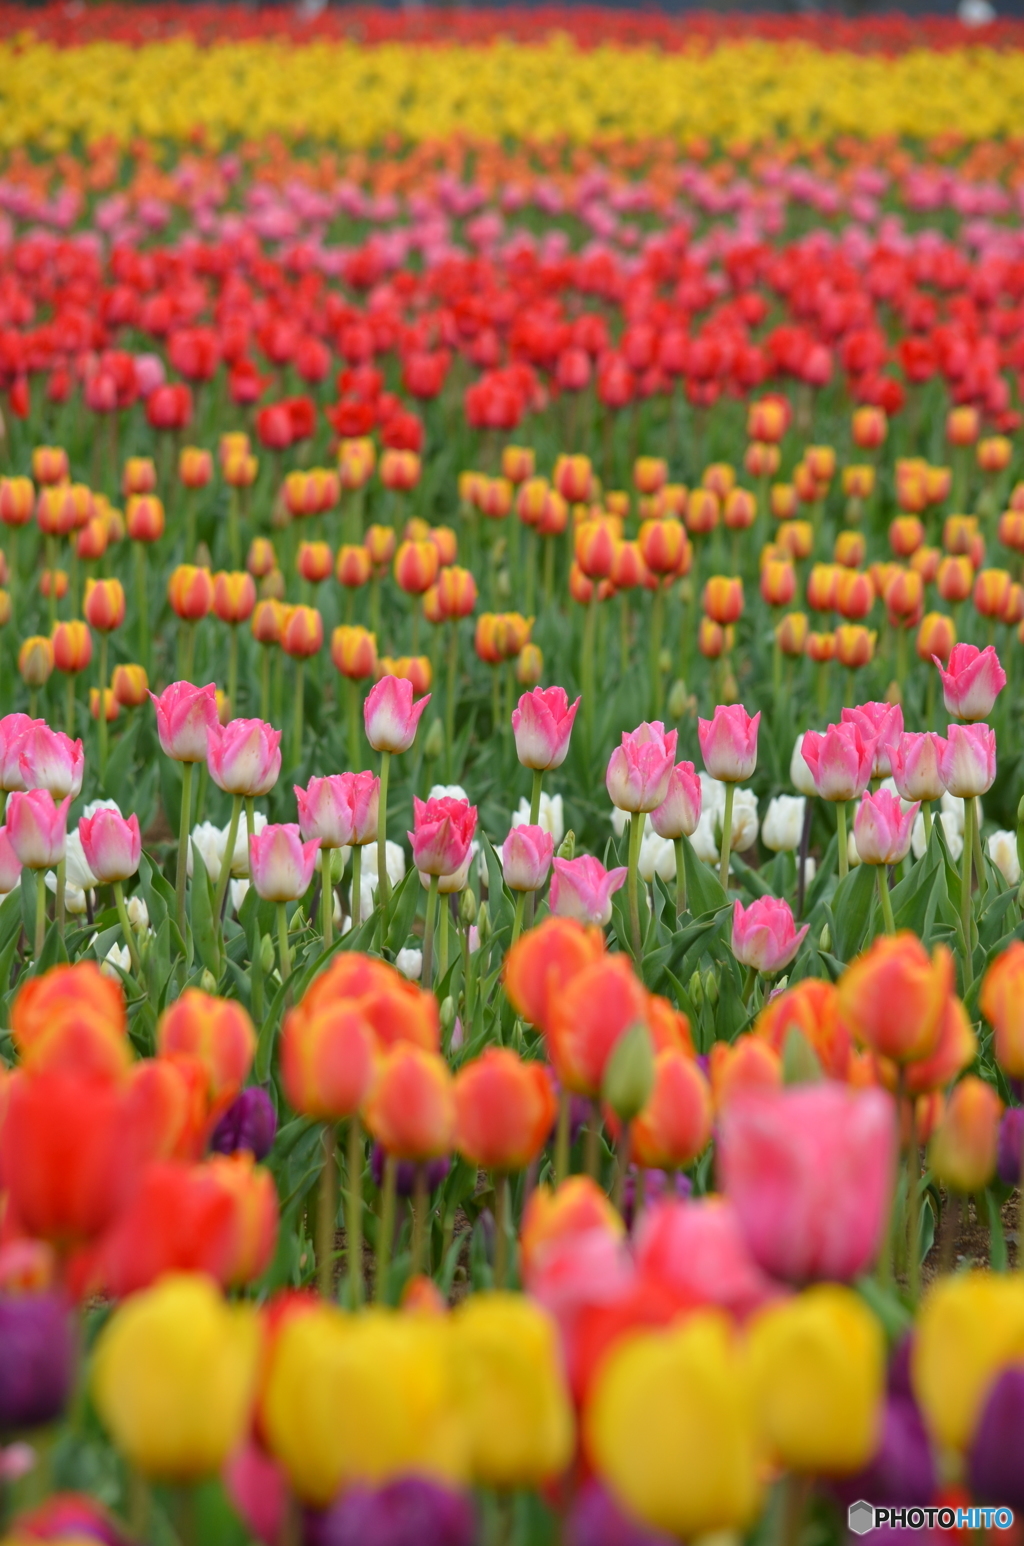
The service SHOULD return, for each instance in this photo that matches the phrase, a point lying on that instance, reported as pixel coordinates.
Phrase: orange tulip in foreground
(216, 1030)
(72, 1019)
(894, 995)
(675, 1124)
(411, 1106)
(504, 1110)
(543, 960)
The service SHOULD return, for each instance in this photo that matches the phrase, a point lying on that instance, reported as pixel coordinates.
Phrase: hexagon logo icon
(860, 1517)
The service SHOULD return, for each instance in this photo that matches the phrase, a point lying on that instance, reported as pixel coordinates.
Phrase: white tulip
(952, 831)
(138, 913)
(1002, 850)
(410, 963)
(551, 816)
(783, 823)
(448, 792)
(240, 858)
(657, 857)
(117, 956)
(799, 772)
(211, 842)
(953, 805)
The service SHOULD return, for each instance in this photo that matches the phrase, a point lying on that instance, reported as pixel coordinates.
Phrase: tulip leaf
(10, 918)
(267, 1034)
(216, 1522)
(170, 791)
(204, 926)
(54, 952)
(851, 908)
(117, 781)
(822, 875)
(887, 1306)
(704, 892)
(28, 904)
(499, 899)
(751, 880)
(402, 910)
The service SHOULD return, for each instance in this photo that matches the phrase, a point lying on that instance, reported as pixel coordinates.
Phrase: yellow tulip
(817, 1367)
(174, 1377)
(362, 1398)
(508, 1369)
(969, 1328)
(669, 1428)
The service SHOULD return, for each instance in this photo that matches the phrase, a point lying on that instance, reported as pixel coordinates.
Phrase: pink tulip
(10, 864)
(697, 1248)
(244, 756)
(112, 845)
(526, 858)
(256, 1485)
(728, 743)
(390, 716)
(809, 1169)
(764, 934)
(582, 888)
(37, 828)
(185, 715)
(882, 722)
(12, 729)
(542, 725)
(679, 812)
(281, 865)
(840, 761)
(915, 765)
(340, 809)
(51, 760)
(639, 770)
(972, 682)
(443, 831)
(882, 829)
(968, 760)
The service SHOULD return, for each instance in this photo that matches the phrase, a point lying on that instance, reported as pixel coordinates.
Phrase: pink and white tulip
(840, 761)
(526, 856)
(582, 889)
(882, 829)
(764, 935)
(972, 682)
(281, 865)
(728, 743)
(49, 759)
(968, 760)
(882, 722)
(10, 864)
(640, 769)
(390, 716)
(443, 831)
(12, 731)
(340, 809)
(112, 844)
(915, 765)
(244, 757)
(37, 828)
(542, 725)
(185, 716)
(679, 812)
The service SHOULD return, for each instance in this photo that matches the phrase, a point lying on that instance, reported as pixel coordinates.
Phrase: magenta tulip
(49, 759)
(10, 864)
(967, 763)
(972, 682)
(809, 1169)
(728, 743)
(280, 863)
(185, 716)
(639, 770)
(37, 828)
(915, 765)
(840, 761)
(764, 935)
(582, 888)
(542, 725)
(526, 858)
(390, 716)
(881, 722)
(679, 812)
(882, 828)
(698, 1249)
(244, 757)
(12, 729)
(443, 831)
(340, 809)
(112, 845)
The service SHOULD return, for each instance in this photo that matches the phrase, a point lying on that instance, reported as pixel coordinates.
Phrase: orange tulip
(35, 661)
(353, 567)
(963, 1148)
(543, 961)
(550, 1217)
(822, 587)
(130, 686)
(504, 1110)
(855, 594)
(518, 463)
(456, 592)
(144, 515)
(739, 510)
(796, 538)
(50, 464)
(588, 1014)
(303, 632)
(190, 592)
(195, 467)
(111, 707)
(446, 543)
(356, 460)
(400, 470)
(858, 484)
(782, 501)
(396, 1010)
(850, 548)
(761, 459)
(354, 652)
(702, 512)
(530, 500)
(410, 668)
(663, 545)
(268, 620)
(893, 996)
(723, 599)
(749, 1062)
(870, 427)
(906, 534)
(791, 633)
(714, 641)
(72, 1020)
(768, 419)
(822, 462)
(416, 566)
(261, 559)
(328, 1057)
(218, 1031)
(1002, 1003)
(410, 1109)
(994, 453)
(778, 584)
(72, 647)
(962, 426)
(955, 1048)
(811, 1007)
(138, 476)
(650, 473)
(104, 604)
(594, 547)
(674, 1126)
(234, 596)
(821, 647)
(572, 478)
(955, 578)
(17, 496)
(936, 636)
(904, 598)
(991, 592)
(720, 478)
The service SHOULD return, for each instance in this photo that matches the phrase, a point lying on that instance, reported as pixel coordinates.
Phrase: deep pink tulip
(111, 844)
(526, 858)
(542, 725)
(51, 760)
(244, 756)
(809, 1169)
(280, 863)
(12, 729)
(443, 831)
(390, 716)
(840, 761)
(679, 812)
(639, 770)
(185, 715)
(728, 742)
(37, 828)
(10, 864)
(972, 682)
(764, 934)
(882, 828)
(582, 888)
(915, 765)
(697, 1248)
(884, 723)
(968, 760)
(340, 809)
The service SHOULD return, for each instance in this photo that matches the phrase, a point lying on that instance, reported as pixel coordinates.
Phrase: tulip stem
(40, 913)
(229, 854)
(383, 884)
(517, 922)
(926, 817)
(428, 934)
(62, 882)
(386, 1229)
(562, 1137)
(354, 1212)
(326, 1214)
(914, 1206)
(352, 707)
(885, 900)
(185, 1524)
(795, 1491)
(233, 532)
(126, 928)
(69, 706)
(587, 663)
(636, 837)
(965, 892)
(183, 831)
(233, 669)
(844, 853)
(419, 1217)
(657, 618)
(680, 878)
(265, 684)
(101, 723)
(443, 909)
(355, 899)
(590, 1148)
(300, 682)
(327, 895)
(142, 604)
(723, 871)
(453, 668)
(282, 941)
(979, 863)
(535, 793)
(500, 1228)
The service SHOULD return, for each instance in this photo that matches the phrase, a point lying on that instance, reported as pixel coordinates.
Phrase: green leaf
(10, 918)
(204, 928)
(54, 951)
(851, 906)
(704, 892)
(402, 910)
(887, 1305)
(268, 1035)
(117, 781)
(499, 899)
(751, 880)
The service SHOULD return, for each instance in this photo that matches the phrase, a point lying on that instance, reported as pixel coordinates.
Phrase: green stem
(979, 863)
(62, 881)
(636, 835)
(282, 941)
(926, 814)
(326, 1215)
(352, 713)
(126, 928)
(233, 532)
(517, 922)
(965, 893)
(142, 606)
(680, 878)
(354, 1213)
(383, 884)
(183, 834)
(386, 1228)
(327, 895)
(657, 617)
(419, 1218)
(300, 678)
(538, 780)
(562, 1137)
(500, 1228)
(355, 899)
(723, 869)
(444, 910)
(265, 684)
(51, 563)
(233, 669)
(102, 722)
(228, 859)
(40, 913)
(426, 977)
(591, 1150)
(69, 706)
(453, 670)
(587, 664)
(885, 899)
(844, 852)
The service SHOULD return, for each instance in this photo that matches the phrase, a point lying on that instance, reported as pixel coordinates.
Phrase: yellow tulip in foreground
(969, 1328)
(174, 1377)
(670, 1429)
(817, 1367)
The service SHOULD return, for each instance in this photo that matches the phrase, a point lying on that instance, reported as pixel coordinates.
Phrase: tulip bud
(711, 986)
(696, 990)
(448, 1013)
(677, 699)
(483, 922)
(800, 1064)
(433, 746)
(825, 938)
(567, 847)
(266, 954)
(629, 1073)
(468, 906)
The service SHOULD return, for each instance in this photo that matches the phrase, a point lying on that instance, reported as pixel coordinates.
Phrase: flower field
(511, 632)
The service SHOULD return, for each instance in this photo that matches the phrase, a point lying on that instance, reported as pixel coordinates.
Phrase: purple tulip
(596, 1520)
(409, 1512)
(405, 1172)
(1011, 1146)
(248, 1123)
(37, 1357)
(996, 1462)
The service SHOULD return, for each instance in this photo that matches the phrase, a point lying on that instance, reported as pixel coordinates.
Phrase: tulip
(996, 1461)
(215, 1031)
(973, 681)
(281, 866)
(411, 1508)
(728, 745)
(113, 848)
(582, 889)
(637, 778)
(37, 832)
(893, 997)
(542, 725)
(674, 1125)
(586, 1017)
(71, 1019)
(130, 686)
(177, 1345)
(12, 730)
(1001, 1001)
(764, 935)
(37, 1359)
(969, 1328)
(915, 768)
(410, 1111)
(390, 718)
(10, 865)
(817, 1367)
(840, 763)
(49, 759)
(526, 856)
(880, 723)
(185, 716)
(812, 1008)
(967, 767)
(249, 1125)
(443, 832)
(677, 817)
(962, 1151)
(882, 832)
